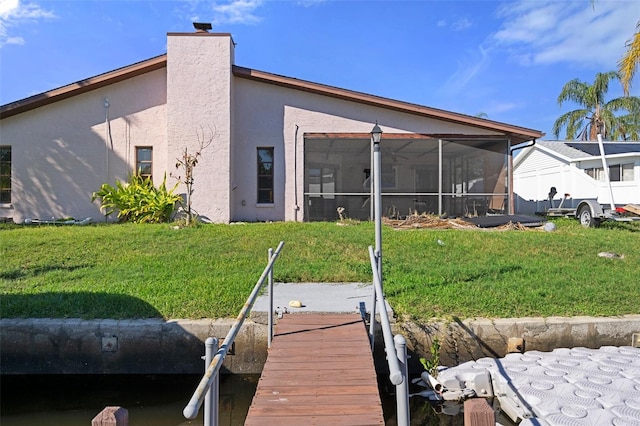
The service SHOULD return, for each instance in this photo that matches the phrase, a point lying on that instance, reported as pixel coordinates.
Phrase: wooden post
(477, 412)
(111, 416)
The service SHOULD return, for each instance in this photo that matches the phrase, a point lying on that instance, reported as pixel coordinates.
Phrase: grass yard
(143, 271)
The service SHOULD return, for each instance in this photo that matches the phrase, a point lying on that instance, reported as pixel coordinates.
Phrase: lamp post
(376, 201)
(376, 135)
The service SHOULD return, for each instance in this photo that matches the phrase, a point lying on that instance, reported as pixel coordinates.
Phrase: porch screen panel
(335, 173)
(475, 178)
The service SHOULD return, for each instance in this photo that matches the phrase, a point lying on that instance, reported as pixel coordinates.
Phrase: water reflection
(154, 400)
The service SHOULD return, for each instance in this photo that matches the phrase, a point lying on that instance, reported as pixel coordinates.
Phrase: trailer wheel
(585, 215)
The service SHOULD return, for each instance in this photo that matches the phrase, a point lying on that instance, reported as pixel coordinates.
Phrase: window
(144, 161)
(627, 172)
(265, 175)
(5, 174)
(617, 173)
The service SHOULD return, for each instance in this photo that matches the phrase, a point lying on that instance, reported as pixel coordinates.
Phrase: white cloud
(458, 25)
(547, 32)
(469, 65)
(14, 13)
(499, 107)
(462, 24)
(237, 12)
(221, 12)
(310, 3)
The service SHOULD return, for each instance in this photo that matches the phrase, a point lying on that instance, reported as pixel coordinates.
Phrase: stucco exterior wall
(199, 105)
(63, 152)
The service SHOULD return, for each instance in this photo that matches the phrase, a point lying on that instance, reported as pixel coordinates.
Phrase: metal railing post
(212, 397)
(190, 411)
(270, 290)
(402, 389)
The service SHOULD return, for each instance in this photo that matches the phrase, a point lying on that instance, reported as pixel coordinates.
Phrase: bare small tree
(186, 163)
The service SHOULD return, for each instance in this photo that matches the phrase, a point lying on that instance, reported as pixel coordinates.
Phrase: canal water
(74, 400)
(158, 400)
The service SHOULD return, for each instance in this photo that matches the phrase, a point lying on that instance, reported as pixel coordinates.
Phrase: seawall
(154, 346)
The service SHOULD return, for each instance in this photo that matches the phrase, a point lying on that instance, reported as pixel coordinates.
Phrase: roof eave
(517, 133)
(83, 86)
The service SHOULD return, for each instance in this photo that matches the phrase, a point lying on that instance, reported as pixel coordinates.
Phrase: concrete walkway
(319, 297)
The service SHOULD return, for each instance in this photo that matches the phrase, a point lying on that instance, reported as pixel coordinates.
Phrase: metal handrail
(191, 409)
(395, 373)
(394, 346)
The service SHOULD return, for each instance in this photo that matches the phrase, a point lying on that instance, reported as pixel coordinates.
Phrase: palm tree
(628, 127)
(598, 114)
(629, 62)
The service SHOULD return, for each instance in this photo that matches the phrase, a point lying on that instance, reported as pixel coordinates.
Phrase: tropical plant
(596, 115)
(628, 64)
(432, 364)
(138, 200)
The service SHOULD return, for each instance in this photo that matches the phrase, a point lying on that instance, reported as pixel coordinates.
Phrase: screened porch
(456, 176)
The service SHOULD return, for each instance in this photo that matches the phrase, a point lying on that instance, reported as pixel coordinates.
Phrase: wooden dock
(319, 371)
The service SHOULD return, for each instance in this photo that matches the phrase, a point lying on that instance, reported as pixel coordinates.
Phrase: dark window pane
(5, 197)
(5, 182)
(265, 182)
(614, 173)
(265, 196)
(5, 168)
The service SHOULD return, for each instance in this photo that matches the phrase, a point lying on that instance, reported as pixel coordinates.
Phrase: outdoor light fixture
(376, 133)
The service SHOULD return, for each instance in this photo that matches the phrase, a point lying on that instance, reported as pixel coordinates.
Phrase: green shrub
(138, 200)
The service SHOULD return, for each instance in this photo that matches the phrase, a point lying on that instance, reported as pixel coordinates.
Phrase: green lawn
(142, 271)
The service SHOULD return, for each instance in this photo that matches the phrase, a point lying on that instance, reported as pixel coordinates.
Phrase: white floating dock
(579, 386)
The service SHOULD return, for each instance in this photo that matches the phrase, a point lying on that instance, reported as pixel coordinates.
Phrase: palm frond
(629, 62)
(572, 120)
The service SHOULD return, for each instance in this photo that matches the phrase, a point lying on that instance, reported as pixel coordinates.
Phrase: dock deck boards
(319, 371)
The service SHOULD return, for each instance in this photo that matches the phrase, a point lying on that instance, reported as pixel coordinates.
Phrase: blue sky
(507, 59)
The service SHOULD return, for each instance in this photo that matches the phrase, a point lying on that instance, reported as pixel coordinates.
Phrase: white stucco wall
(60, 151)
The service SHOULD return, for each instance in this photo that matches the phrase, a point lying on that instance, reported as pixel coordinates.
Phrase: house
(575, 168)
(280, 148)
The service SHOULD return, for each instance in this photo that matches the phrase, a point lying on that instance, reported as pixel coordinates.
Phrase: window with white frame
(617, 173)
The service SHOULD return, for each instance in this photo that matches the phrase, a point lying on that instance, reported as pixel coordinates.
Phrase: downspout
(107, 128)
(296, 207)
(510, 171)
(108, 140)
(440, 180)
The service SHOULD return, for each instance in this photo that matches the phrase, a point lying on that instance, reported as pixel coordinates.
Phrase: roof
(517, 134)
(574, 150)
